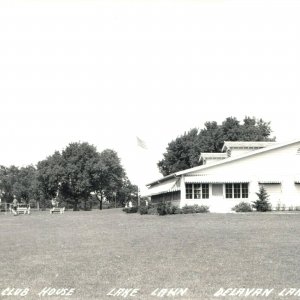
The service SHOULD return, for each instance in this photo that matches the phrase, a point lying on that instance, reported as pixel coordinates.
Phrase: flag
(141, 143)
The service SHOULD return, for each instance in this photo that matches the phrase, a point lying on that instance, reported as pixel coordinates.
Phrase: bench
(23, 210)
(57, 210)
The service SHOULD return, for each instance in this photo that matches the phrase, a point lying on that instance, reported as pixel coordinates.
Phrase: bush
(108, 205)
(152, 211)
(130, 210)
(192, 209)
(161, 209)
(177, 211)
(201, 209)
(262, 204)
(187, 209)
(242, 207)
(167, 208)
(143, 210)
(170, 208)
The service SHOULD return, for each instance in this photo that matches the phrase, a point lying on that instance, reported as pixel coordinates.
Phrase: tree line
(79, 175)
(184, 152)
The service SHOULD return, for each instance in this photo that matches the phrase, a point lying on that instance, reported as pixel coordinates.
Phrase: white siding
(238, 152)
(275, 193)
(282, 163)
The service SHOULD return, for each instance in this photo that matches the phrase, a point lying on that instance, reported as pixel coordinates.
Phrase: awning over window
(271, 180)
(215, 179)
(169, 186)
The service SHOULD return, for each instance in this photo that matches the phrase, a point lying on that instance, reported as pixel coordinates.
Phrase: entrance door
(217, 202)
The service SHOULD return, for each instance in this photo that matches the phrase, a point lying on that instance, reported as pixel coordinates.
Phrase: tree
(231, 130)
(80, 171)
(210, 139)
(48, 178)
(181, 153)
(17, 182)
(77, 162)
(255, 130)
(262, 203)
(128, 192)
(8, 178)
(184, 152)
(24, 186)
(107, 176)
(74, 175)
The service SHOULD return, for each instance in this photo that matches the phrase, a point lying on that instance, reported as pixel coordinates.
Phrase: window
(189, 191)
(244, 190)
(205, 191)
(228, 152)
(197, 190)
(236, 190)
(228, 190)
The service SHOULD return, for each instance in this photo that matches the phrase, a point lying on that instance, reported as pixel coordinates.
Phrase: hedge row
(167, 208)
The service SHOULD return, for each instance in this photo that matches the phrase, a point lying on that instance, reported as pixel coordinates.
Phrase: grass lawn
(97, 251)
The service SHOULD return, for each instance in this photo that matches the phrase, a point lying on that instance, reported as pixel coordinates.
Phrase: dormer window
(228, 152)
(238, 148)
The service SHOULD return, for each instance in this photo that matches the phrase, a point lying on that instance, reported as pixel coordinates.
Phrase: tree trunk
(100, 201)
(75, 205)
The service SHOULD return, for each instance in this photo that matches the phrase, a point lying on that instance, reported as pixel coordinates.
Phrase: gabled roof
(247, 144)
(225, 161)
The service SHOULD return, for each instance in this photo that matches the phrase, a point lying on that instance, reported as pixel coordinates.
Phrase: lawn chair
(60, 210)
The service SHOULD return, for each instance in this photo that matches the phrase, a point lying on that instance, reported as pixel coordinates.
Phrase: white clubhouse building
(234, 175)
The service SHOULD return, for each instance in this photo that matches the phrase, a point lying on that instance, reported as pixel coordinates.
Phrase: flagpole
(142, 145)
(138, 194)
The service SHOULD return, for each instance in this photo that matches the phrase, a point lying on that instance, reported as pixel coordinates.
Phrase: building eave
(170, 176)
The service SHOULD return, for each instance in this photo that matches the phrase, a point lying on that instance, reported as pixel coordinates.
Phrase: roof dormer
(209, 158)
(239, 148)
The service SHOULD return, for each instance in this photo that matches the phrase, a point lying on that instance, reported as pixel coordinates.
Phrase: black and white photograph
(150, 149)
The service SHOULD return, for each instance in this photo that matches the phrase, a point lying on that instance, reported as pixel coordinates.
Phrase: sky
(105, 72)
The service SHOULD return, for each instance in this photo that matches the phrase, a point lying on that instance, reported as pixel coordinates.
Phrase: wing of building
(227, 178)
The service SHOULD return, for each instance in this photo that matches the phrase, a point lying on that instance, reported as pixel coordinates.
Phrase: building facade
(235, 175)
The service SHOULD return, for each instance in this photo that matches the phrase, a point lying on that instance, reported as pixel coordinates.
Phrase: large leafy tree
(24, 186)
(181, 153)
(107, 176)
(19, 182)
(184, 152)
(77, 162)
(8, 178)
(49, 173)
